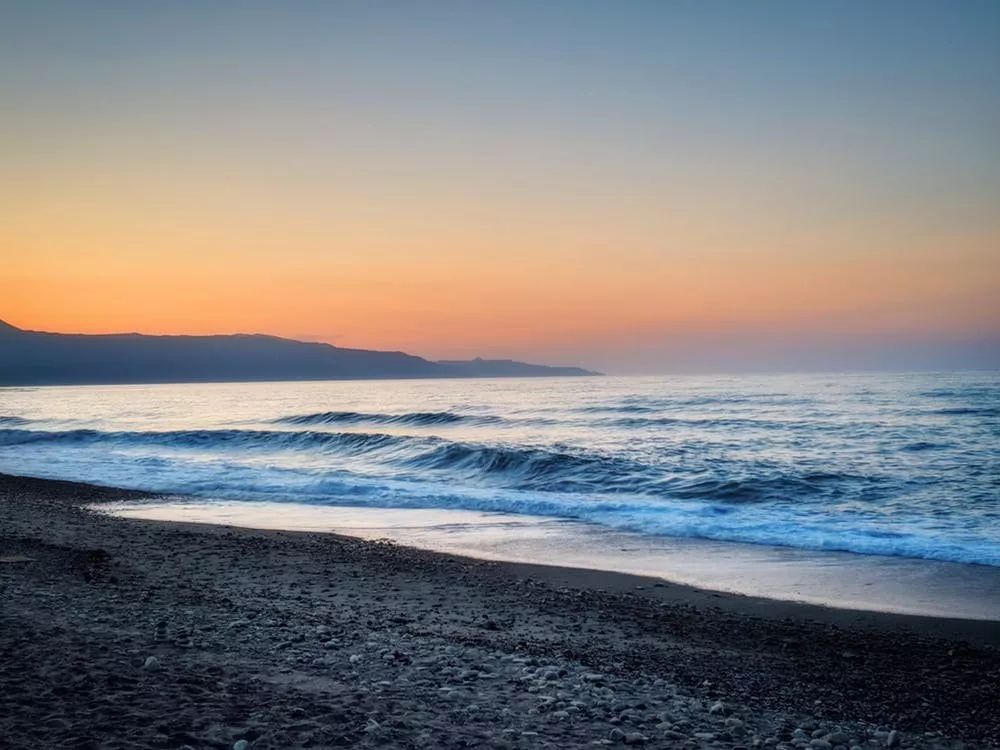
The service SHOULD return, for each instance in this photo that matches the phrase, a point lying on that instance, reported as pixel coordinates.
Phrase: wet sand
(843, 580)
(134, 633)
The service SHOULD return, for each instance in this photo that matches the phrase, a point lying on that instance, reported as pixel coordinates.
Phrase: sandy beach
(124, 633)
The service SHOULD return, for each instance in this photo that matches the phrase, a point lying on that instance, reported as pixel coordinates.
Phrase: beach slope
(122, 633)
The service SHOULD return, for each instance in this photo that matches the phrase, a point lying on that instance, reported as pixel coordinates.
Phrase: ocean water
(887, 465)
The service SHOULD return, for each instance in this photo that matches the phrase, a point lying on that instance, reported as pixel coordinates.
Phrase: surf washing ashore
(132, 633)
(433, 625)
(686, 526)
(901, 466)
(839, 579)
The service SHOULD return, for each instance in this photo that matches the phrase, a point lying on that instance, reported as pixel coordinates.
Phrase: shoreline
(288, 639)
(827, 579)
(978, 631)
(671, 593)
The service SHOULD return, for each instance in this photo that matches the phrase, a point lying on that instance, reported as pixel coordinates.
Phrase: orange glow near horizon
(498, 182)
(506, 276)
(441, 306)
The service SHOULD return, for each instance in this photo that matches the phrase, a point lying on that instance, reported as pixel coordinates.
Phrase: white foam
(835, 579)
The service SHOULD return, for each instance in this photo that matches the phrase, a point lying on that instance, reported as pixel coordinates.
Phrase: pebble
(435, 690)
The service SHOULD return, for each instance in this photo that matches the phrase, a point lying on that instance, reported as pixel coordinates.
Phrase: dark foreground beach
(120, 633)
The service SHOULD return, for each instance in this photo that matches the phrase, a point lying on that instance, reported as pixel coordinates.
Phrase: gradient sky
(632, 186)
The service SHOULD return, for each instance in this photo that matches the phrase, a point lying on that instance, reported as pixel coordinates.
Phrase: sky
(630, 186)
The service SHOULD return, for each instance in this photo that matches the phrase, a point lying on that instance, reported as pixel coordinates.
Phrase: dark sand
(128, 633)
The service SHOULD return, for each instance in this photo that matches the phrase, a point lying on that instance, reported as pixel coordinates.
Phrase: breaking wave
(413, 418)
(873, 465)
(542, 469)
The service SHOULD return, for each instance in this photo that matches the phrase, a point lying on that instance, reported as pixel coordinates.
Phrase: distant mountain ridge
(39, 358)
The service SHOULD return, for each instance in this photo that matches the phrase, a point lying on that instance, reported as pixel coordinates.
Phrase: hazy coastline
(38, 358)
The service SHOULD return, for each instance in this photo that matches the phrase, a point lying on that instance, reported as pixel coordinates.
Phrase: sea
(691, 473)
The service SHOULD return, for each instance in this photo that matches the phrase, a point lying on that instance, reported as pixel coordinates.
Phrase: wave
(538, 469)
(621, 408)
(520, 467)
(765, 524)
(548, 469)
(867, 472)
(982, 411)
(761, 488)
(968, 391)
(638, 422)
(208, 439)
(646, 405)
(412, 418)
(921, 445)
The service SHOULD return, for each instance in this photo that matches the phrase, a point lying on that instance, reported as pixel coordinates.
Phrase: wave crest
(411, 418)
(584, 474)
(208, 439)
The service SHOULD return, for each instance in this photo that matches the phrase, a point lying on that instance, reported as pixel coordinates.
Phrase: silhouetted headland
(39, 358)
